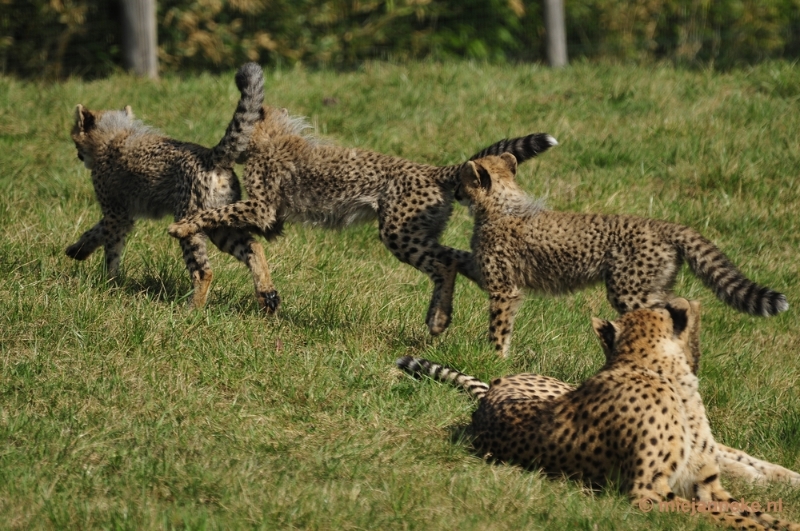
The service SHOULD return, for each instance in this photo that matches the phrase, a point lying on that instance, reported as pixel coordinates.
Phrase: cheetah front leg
(737, 463)
(110, 232)
(651, 491)
(115, 230)
(714, 491)
(424, 255)
(244, 248)
(412, 237)
(87, 243)
(450, 262)
(707, 487)
(468, 266)
(248, 215)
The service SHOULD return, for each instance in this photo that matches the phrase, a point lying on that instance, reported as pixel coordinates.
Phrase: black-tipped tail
(523, 148)
(250, 82)
(417, 366)
(720, 274)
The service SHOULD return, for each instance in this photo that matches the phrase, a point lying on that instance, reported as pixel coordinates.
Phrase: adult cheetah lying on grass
(291, 176)
(639, 419)
(517, 244)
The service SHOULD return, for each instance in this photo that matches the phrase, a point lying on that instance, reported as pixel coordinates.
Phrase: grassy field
(121, 409)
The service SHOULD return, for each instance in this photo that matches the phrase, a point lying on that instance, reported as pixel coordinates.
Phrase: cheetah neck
(516, 205)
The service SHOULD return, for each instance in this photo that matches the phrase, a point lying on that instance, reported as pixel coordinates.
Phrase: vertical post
(556, 31)
(139, 40)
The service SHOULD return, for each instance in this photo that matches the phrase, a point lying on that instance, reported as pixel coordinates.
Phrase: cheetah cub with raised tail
(640, 419)
(139, 173)
(517, 244)
(292, 176)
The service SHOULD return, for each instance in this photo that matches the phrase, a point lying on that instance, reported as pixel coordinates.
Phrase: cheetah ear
(469, 175)
(128, 111)
(486, 179)
(607, 334)
(84, 119)
(474, 176)
(680, 319)
(510, 162)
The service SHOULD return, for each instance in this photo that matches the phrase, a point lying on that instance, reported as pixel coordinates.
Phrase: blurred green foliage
(54, 38)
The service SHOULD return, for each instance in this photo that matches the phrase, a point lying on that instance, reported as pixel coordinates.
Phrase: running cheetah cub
(517, 244)
(291, 176)
(139, 173)
(639, 419)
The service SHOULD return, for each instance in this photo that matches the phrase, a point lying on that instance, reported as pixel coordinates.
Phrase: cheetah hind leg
(244, 248)
(503, 306)
(196, 259)
(468, 267)
(201, 282)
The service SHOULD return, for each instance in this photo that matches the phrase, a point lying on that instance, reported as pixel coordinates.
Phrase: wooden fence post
(139, 39)
(556, 31)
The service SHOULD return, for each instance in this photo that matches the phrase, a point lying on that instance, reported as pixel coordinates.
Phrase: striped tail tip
(411, 364)
(404, 362)
(779, 304)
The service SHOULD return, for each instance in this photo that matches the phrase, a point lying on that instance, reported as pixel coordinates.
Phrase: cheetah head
(487, 180)
(649, 336)
(277, 122)
(86, 124)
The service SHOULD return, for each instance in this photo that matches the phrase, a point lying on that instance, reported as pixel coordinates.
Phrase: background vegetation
(55, 38)
(120, 409)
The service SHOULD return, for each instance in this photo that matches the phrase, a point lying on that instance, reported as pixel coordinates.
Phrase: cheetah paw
(438, 321)
(78, 252)
(269, 301)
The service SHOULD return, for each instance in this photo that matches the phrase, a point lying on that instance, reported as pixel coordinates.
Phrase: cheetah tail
(523, 148)
(724, 278)
(417, 366)
(250, 82)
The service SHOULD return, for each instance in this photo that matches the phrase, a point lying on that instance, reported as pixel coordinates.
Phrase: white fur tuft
(112, 121)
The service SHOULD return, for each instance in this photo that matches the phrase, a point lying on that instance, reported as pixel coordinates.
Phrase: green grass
(120, 409)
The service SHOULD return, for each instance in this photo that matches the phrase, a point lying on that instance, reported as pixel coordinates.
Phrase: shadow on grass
(464, 435)
(404, 338)
(157, 287)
